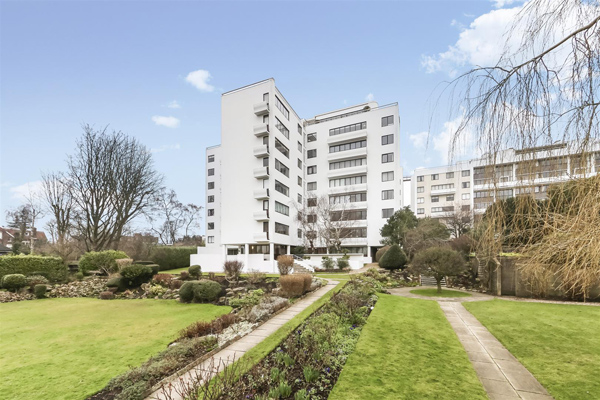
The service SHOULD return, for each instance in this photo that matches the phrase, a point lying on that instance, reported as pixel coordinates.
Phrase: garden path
(236, 350)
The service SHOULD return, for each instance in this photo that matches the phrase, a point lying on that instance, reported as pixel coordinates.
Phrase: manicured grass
(558, 343)
(445, 293)
(335, 276)
(407, 350)
(71, 348)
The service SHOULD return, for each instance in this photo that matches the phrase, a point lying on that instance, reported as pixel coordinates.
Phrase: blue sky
(63, 64)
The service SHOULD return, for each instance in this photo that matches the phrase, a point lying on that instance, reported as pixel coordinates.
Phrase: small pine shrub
(327, 263)
(393, 259)
(40, 291)
(206, 291)
(135, 275)
(342, 262)
(195, 271)
(381, 252)
(186, 292)
(79, 276)
(107, 295)
(285, 264)
(292, 285)
(14, 282)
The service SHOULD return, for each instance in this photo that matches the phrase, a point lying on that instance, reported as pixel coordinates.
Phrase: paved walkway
(234, 351)
(405, 292)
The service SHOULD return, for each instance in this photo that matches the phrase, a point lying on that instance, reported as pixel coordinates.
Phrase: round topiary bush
(186, 292)
(14, 282)
(40, 291)
(393, 259)
(206, 291)
(381, 252)
(135, 275)
(79, 276)
(36, 280)
(195, 271)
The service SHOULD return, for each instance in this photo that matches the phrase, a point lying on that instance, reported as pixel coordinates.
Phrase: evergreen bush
(14, 282)
(393, 259)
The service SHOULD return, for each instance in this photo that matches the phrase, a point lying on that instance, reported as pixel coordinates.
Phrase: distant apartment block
(271, 160)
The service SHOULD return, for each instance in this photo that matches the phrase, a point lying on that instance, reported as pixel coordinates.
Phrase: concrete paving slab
(534, 396)
(479, 357)
(498, 387)
(488, 371)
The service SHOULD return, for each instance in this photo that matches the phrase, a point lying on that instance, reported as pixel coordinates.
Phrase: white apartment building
(270, 160)
(474, 185)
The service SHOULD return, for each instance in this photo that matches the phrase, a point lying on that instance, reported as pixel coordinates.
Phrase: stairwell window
(210, 239)
(211, 225)
(211, 171)
(311, 137)
(311, 186)
(420, 211)
(420, 178)
(311, 153)
(211, 199)
(211, 185)
(211, 212)
(211, 158)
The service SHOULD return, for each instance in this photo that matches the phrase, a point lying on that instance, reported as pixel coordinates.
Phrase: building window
(299, 198)
(351, 180)
(211, 171)
(265, 96)
(387, 176)
(211, 158)
(466, 185)
(466, 172)
(311, 202)
(466, 196)
(282, 108)
(299, 129)
(281, 188)
(442, 209)
(348, 198)
(311, 153)
(443, 187)
(387, 194)
(420, 211)
(435, 177)
(211, 212)
(299, 181)
(347, 163)
(211, 199)
(387, 139)
(420, 200)
(420, 189)
(259, 249)
(387, 212)
(348, 128)
(450, 198)
(282, 208)
(347, 146)
(265, 205)
(311, 186)
(300, 163)
(279, 125)
(282, 168)
(466, 207)
(386, 158)
(265, 161)
(311, 170)
(420, 178)
(282, 229)
(282, 148)
(211, 225)
(300, 147)
(389, 120)
(211, 185)
(311, 137)
(300, 233)
(210, 239)
(449, 175)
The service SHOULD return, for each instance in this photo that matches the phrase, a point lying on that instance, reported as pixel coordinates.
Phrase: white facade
(270, 159)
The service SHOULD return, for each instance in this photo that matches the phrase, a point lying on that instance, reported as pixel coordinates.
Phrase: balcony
(261, 237)
(261, 130)
(261, 150)
(261, 215)
(261, 108)
(360, 187)
(438, 192)
(261, 194)
(348, 154)
(347, 137)
(261, 172)
(336, 173)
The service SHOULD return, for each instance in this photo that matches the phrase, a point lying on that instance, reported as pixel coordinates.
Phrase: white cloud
(419, 140)
(504, 3)
(165, 147)
(21, 192)
(169, 122)
(174, 104)
(200, 80)
(370, 97)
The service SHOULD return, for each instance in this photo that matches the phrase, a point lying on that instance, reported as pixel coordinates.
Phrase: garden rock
(266, 308)
(235, 331)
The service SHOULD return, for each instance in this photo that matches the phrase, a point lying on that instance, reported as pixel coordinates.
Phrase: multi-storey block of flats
(271, 160)
(472, 186)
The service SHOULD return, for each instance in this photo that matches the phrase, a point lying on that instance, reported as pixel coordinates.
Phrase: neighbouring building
(9, 235)
(272, 163)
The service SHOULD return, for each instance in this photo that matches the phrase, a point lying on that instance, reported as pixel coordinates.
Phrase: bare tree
(307, 220)
(25, 217)
(168, 217)
(59, 201)
(460, 220)
(112, 180)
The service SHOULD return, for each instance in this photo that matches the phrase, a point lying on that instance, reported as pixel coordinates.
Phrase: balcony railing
(261, 151)
(261, 237)
(261, 130)
(261, 108)
(261, 172)
(261, 194)
(261, 215)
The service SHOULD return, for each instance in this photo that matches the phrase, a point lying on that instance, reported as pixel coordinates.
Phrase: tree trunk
(439, 284)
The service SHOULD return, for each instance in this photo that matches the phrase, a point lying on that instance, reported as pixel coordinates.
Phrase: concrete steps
(430, 281)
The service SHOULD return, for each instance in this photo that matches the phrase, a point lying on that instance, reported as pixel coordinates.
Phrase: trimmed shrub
(393, 259)
(176, 284)
(134, 275)
(292, 285)
(116, 282)
(40, 291)
(36, 280)
(206, 291)
(233, 269)
(145, 262)
(186, 292)
(342, 262)
(155, 268)
(101, 261)
(14, 282)
(168, 257)
(52, 268)
(285, 264)
(123, 262)
(107, 295)
(381, 252)
(79, 275)
(327, 263)
(307, 281)
(195, 271)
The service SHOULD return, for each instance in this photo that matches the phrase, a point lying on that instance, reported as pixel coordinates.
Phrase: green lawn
(558, 343)
(445, 293)
(407, 350)
(71, 348)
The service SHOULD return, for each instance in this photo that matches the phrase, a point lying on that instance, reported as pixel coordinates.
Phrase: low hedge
(168, 257)
(52, 268)
(134, 275)
(101, 261)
